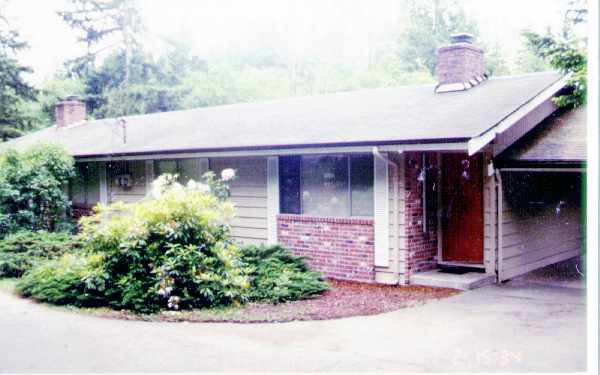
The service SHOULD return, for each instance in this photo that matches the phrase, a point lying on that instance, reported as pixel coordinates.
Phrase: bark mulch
(344, 299)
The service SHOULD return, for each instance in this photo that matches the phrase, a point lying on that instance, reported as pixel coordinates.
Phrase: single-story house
(373, 185)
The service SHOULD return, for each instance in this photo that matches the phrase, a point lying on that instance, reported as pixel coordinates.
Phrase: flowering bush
(172, 250)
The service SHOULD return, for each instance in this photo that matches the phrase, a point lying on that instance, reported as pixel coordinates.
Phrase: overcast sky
(333, 30)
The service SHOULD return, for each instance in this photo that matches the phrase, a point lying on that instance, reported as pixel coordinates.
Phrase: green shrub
(21, 250)
(278, 276)
(31, 188)
(173, 250)
(73, 279)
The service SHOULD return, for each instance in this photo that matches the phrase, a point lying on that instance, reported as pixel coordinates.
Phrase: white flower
(227, 174)
(203, 188)
(192, 185)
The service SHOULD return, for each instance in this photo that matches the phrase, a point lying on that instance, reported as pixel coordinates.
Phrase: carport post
(498, 175)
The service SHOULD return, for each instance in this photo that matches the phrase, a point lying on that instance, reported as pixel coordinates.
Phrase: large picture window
(326, 185)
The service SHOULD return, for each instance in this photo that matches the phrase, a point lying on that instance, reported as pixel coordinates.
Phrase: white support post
(381, 211)
(103, 177)
(203, 166)
(272, 198)
(149, 173)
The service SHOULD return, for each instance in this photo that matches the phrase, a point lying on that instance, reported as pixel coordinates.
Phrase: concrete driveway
(518, 326)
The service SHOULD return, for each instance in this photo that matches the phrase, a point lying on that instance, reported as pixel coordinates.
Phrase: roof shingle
(393, 115)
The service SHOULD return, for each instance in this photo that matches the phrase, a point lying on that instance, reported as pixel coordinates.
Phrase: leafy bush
(31, 188)
(21, 250)
(173, 250)
(72, 279)
(278, 276)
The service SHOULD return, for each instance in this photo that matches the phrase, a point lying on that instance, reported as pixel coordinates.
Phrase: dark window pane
(165, 166)
(289, 184)
(361, 177)
(325, 185)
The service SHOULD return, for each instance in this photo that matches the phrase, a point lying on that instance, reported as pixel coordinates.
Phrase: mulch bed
(344, 299)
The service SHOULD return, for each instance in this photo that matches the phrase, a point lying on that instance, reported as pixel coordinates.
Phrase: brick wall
(422, 247)
(341, 248)
(459, 63)
(69, 112)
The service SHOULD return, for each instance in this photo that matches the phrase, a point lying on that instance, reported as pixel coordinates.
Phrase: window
(187, 169)
(85, 187)
(326, 185)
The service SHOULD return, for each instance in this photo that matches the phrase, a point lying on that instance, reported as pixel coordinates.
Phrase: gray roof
(409, 114)
(560, 139)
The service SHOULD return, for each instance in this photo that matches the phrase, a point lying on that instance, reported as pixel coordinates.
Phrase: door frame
(440, 232)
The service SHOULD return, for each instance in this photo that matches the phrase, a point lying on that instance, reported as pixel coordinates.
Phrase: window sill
(326, 219)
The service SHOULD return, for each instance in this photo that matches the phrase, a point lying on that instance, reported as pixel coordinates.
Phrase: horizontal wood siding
(249, 194)
(137, 170)
(538, 230)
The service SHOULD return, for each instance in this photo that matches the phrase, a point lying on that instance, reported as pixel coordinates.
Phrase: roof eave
(447, 144)
(475, 144)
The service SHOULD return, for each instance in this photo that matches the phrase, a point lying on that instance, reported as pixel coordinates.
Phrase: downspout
(498, 175)
(395, 168)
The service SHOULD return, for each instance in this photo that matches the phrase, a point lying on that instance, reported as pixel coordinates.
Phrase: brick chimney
(460, 65)
(70, 111)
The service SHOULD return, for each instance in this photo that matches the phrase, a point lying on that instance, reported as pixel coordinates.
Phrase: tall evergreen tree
(565, 52)
(104, 25)
(14, 90)
(430, 24)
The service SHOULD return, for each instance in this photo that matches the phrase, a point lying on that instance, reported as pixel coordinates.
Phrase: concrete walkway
(517, 326)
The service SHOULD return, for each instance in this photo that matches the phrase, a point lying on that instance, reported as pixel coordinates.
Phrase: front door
(462, 208)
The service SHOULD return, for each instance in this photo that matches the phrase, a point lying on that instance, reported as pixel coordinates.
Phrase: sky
(334, 30)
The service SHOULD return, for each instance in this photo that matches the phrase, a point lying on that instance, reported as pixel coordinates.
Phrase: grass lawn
(344, 299)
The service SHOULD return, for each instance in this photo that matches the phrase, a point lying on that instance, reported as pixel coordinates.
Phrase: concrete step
(466, 281)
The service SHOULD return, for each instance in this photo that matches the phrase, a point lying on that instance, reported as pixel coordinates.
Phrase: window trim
(348, 157)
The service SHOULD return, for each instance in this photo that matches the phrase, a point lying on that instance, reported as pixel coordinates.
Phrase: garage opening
(542, 220)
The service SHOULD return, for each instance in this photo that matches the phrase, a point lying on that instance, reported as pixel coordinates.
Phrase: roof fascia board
(477, 143)
(542, 169)
(452, 146)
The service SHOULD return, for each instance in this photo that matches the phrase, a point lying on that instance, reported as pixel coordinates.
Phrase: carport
(541, 201)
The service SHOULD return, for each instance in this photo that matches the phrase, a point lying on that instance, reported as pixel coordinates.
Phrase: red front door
(462, 203)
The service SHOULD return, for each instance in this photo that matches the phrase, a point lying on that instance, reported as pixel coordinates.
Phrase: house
(382, 185)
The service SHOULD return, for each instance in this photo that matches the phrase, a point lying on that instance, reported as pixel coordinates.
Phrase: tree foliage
(430, 24)
(566, 53)
(14, 90)
(32, 194)
(104, 25)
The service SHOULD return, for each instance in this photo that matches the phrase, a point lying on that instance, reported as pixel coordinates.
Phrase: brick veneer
(421, 246)
(341, 248)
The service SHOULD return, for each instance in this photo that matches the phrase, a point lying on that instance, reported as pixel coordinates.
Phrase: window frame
(178, 167)
(349, 190)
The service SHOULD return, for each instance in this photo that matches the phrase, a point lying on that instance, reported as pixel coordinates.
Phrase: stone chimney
(460, 65)
(70, 111)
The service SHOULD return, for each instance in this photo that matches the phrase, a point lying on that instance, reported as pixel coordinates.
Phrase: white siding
(381, 212)
(249, 194)
(272, 198)
(396, 270)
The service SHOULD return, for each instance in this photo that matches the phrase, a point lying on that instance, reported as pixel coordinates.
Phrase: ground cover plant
(20, 251)
(172, 250)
